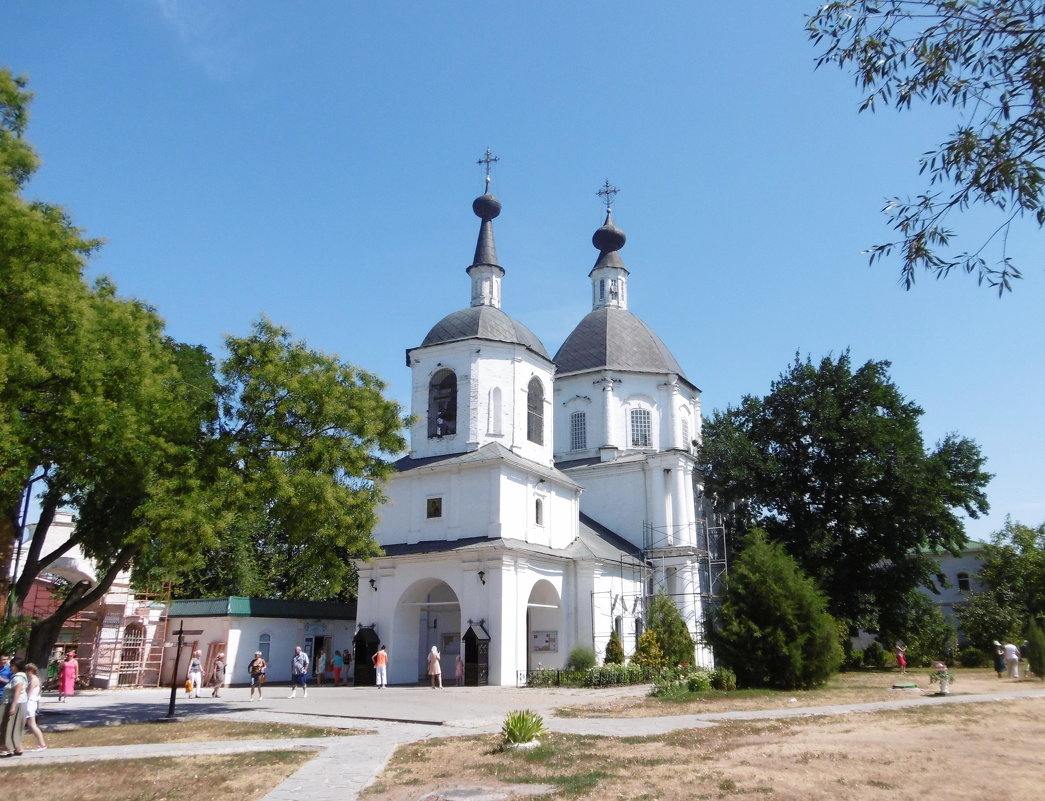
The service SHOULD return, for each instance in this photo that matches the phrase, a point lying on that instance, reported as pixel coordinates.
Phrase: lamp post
(181, 632)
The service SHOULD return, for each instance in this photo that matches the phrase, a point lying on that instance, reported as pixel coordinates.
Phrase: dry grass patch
(184, 731)
(844, 688)
(204, 778)
(974, 751)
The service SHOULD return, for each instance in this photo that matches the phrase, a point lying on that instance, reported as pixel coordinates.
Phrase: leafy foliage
(984, 58)
(920, 624)
(614, 650)
(522, 726)
(772, 628)
(1013, 571)
(831, 463)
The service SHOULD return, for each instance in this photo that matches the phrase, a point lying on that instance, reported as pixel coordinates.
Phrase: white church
(545, 499)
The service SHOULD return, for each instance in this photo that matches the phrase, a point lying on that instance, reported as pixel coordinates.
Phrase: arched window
(641, 428)
(442, 404)
(686, 444)
(264, 641)
(494, 423)
(963, 582)
(618, 626)
(578, 431)
(538, 515)
(535, 411)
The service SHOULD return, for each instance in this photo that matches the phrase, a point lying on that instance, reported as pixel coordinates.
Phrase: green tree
(614, 651)
(1013, 574)
(772, 628)
(662, 617)
(295, 470)
(831, 463)
(986, 60)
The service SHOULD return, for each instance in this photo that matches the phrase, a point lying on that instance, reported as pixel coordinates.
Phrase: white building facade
(544, 499)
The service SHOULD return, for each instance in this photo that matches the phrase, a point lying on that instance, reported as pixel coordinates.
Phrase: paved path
(343, 766)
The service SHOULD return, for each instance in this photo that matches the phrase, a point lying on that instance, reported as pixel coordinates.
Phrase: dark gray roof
(594, 542)
(615, 339)
(484, 322)
(492, 451)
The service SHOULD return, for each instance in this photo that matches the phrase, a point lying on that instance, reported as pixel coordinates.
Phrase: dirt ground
(976, 751)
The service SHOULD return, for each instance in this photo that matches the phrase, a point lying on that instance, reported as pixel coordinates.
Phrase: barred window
(686, 445)
(641, 428)
(578, 432)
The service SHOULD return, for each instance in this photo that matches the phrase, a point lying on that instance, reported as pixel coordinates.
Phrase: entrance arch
(427, 614)
(544, 628)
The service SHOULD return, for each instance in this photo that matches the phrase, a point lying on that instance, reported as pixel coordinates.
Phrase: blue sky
(315, 162)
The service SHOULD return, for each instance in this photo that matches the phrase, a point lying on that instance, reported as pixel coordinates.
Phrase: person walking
(435, 670)
(1012, 660)
(337, 662)
(999, 659)
(217, 676)
(68, 673)
(5, 670)
(15, 697)
(257, 669)
(321, 667)
(195, 675)
(298, 673)
(381, 663)
(459, 670)
(32, 704)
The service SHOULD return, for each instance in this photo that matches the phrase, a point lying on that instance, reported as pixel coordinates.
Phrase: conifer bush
(673, 636)
(773, 629)
(648, 653)
(614, 651)
(1036, 641)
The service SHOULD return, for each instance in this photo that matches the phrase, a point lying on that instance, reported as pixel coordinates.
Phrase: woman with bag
(195, 673)
(256, 669)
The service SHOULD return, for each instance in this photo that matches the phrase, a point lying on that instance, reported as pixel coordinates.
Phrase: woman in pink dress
(67, 674)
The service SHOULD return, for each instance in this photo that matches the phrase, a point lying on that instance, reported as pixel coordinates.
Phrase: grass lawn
(195, 731)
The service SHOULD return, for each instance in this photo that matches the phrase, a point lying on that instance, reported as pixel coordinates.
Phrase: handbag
(188, 685)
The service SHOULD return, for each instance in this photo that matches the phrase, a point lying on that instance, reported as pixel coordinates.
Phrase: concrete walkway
(343, 766)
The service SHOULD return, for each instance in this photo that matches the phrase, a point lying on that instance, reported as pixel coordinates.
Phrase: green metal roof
(240, 606)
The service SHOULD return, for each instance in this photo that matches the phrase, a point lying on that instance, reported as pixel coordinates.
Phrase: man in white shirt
(1012, 660)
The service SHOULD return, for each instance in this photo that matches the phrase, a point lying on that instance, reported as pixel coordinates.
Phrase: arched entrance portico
(427, 614)
(544, 628)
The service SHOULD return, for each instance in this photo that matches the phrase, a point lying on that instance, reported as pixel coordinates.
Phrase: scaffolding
(129, 643)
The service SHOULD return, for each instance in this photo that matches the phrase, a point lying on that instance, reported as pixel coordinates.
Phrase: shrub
(853, 660)
(971, 657)
(772, 628)
(614, 651)
(722, 678)
(874, 655)
(648, 653)
(580, 658)
(522, 726)
(699, 682)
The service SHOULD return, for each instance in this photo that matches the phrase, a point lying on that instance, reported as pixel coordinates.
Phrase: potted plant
(942, 676)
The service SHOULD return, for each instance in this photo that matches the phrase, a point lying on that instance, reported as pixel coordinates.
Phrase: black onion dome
(486, 207)
(615, 339)
(484, 322)
(609, 237)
